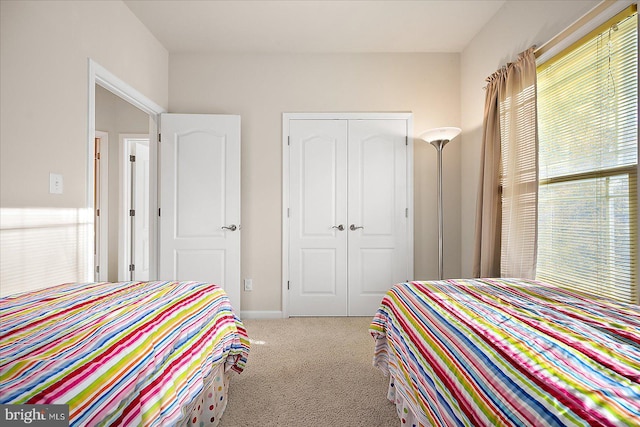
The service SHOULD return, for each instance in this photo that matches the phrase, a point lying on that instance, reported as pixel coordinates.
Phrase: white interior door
(134, 248)
(378, 211)
(141, 205)
(101, 206)
(318, 217)
(200, 200)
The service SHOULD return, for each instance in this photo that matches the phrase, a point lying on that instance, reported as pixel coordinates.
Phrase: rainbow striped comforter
(132, 353)
(506, 352)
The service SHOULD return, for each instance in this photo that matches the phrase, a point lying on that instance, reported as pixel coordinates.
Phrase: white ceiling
(314, 26)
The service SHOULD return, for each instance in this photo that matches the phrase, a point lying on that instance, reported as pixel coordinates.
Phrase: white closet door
(200, 200)
(377, 252)
(318, 217)
(141, 220)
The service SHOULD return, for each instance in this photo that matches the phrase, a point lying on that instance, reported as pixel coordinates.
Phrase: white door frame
(101, 76)
(285, 182)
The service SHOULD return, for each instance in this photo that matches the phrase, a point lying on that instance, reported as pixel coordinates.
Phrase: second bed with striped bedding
(499, 352)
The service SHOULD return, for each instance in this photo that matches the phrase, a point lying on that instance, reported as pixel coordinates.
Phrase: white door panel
(200, 184)
(377, 203)
(200, 195)
(317, 207)
(200, 263)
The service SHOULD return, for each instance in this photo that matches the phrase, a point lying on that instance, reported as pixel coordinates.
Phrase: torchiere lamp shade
(440, 134)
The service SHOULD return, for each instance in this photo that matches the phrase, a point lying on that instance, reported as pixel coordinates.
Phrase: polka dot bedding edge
(208, 408)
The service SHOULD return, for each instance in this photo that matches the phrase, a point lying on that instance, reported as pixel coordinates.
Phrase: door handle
(353, 227)
(339, 227)
(232, 227)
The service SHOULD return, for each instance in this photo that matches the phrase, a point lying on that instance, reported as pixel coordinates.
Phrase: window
(588, 161)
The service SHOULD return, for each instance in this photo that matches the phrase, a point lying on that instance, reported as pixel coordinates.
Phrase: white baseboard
(251, 314)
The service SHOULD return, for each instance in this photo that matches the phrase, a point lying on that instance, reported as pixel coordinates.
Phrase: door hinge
(288, 140)
(159, 137)
(132, 267)
(98, 156)
(97, 212)
(98, 269)
(132, 158)
(406, 212)
(288, 285)
(132, 212)
(288, 212)
(406, 140)
(158, 211)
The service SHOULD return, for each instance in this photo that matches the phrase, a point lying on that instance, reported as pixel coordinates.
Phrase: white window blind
(518, 183)
(588, 155)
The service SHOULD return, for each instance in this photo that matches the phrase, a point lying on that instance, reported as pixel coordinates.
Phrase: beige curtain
(486, 261)
(506, 218)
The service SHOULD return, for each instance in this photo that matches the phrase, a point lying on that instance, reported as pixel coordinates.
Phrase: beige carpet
(309, 372)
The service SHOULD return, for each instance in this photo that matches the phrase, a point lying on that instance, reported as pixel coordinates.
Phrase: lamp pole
(439, 145)
(439, 137)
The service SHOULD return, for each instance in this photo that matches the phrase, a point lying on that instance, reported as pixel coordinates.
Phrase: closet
(347, 211)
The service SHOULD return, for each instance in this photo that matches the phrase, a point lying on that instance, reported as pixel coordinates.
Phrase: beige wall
(517, 26)
(261, 87)
(44, 48)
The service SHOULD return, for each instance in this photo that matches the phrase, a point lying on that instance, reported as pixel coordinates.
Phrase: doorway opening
(129, 103)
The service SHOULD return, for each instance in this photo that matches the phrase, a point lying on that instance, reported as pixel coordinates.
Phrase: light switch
(55, 183)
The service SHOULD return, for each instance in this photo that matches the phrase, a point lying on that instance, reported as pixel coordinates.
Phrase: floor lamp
(439, 137)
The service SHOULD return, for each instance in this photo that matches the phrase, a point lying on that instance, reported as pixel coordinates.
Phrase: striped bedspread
(132, 353)
(507, 352)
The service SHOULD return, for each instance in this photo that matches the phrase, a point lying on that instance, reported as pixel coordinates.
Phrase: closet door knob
(353, 227)
(339, 227)
(232, 227)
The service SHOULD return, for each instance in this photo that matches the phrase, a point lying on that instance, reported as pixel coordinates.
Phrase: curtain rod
(581, 23)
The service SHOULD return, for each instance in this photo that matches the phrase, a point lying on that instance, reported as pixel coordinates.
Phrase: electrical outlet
(248, 285)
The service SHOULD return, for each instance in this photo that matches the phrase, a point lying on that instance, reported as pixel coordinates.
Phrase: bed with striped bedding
(507, 352)
(130, 354)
